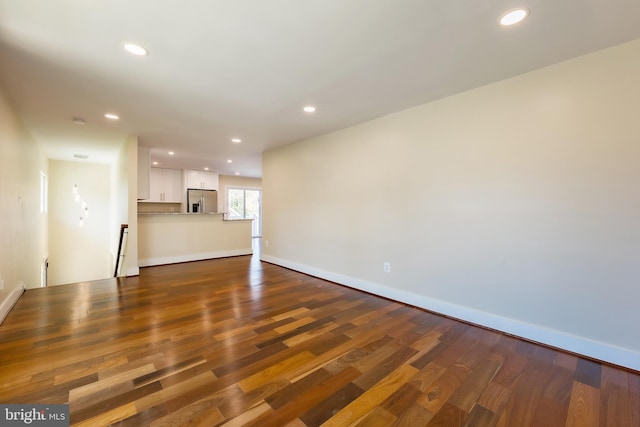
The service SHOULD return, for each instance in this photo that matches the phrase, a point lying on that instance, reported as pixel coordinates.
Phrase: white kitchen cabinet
(165, 186)
(202, 180)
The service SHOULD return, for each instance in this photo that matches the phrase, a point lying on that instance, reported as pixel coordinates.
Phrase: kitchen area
(182, 217)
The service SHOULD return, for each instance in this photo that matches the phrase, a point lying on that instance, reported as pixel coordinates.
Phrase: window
(43, 193)
(244, 203)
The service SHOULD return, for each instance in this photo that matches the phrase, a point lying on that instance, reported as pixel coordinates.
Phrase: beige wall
(79, 253)
(172, 238)
(229, 181)
(120, 203)
(514, 205)
(23, 231)
(89, 252)
(131, 256)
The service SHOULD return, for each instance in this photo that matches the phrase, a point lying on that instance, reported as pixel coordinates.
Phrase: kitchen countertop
(181, 213)
(224, 215)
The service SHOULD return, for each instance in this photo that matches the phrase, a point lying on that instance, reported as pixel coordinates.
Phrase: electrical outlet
(386, 267)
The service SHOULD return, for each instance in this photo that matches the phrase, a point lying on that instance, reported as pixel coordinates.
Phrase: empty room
(290, 213)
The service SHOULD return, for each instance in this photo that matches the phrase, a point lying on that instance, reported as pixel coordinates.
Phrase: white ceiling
(245, 68)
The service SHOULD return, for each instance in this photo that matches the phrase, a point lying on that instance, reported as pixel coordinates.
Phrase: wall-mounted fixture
(84, 210)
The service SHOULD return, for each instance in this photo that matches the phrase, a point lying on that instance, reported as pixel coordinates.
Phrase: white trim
(7, 304)
(133, 271)
(193, 257)
(226, 206)
(562, 340)
(242, 187)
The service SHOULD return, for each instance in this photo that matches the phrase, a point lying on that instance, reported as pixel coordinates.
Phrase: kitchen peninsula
(167, 238)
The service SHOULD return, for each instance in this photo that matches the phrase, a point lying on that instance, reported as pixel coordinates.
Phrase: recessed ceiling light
(309, 109)
(513, 17)
(206, 168)
(229, 161)
(111, 116)
(78, 121)
(171, 153)
(135, 49)
(154, 163)
(236, 140)
(237, 173)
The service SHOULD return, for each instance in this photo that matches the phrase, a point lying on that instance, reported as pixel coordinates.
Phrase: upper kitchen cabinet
(165, 186)
(202, 180)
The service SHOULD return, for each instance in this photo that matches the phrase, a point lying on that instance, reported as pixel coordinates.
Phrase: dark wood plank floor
(237, 342)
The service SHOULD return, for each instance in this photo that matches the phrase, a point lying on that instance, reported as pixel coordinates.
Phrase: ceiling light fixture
(236, 140)
(309, 109)
(171, 153)
(206, 168)
(111, 116)
(237, 173)
(513, 17)
(154, 163)
(135, 49)
(229, 161)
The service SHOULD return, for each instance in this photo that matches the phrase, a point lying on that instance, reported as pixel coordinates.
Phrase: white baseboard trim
(133, 271)
(558, 339)
(192, 257)
(9, 301)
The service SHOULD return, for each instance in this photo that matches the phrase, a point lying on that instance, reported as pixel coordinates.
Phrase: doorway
(245, 203)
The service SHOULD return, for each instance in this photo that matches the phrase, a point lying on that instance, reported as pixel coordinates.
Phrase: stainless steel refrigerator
(202, 201)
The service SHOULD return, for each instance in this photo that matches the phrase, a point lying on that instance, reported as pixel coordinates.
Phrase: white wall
(131, 256)
(79, 253)
(514, 205)
(23, 228)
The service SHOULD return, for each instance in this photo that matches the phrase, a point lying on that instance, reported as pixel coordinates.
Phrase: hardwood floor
(236, 342)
